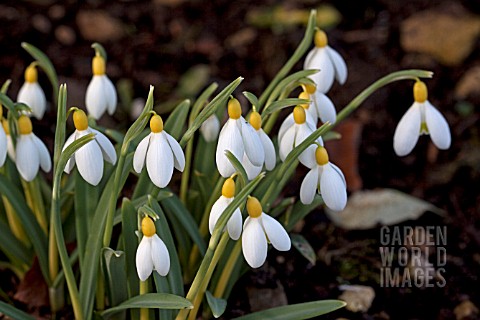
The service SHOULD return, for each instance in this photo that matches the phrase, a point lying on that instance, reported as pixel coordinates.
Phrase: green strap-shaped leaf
(45, 63)
(13, 247)
(115, 275)
(7, 102)
(177, 119)
(13, 312)
(150, 300)
(217, 305)
(130, 244)
(298, 311)
(304, 247)
(238, 167)
(280, 104)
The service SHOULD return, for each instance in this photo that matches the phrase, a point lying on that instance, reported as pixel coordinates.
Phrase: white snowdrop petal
(276, 233)
(178, 156)
(311, 122)
(308, 60)
(141, 153)
(10, 148)
(340, 173)
(309, 186)
(95, 98)
(28, 160)
(159, 255)
(253, 145)
(229, 139)
(216, 211)
(437, 127)
(89, 160)
(234, 225)
(269, 148)
(324, 78)
(325, 108)
(254, 243)
(333, 189)
(143, 259)
(407, 131)
(40, 101)
(108, 150)
(3, 146)
(286, 124)
(44, 155)
(71, 162)
(287, 142)
(159, 160)
(307, 157)
(251, 170)
(110, 94)
(339, 65)
(210, 128)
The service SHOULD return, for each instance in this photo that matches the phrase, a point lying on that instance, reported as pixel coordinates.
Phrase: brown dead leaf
(32, 290)
(344, 152)
(469, 84)
(447, 34)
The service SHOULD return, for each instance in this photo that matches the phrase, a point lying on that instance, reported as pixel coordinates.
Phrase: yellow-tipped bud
(148, 227)
(31, 74)
(6, 128)
(24, 125)
(98, 66)
(321, 39)
(156, 124)
(234, 109)
(310, 88)
(254, 208)
(420, 92)
(228, 189)
(321, 155)
(255, 120)
(80, 120)
(306, 96)
(299, 115)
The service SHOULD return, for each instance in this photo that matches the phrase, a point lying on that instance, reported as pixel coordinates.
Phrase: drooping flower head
(325, 178)
(161, 152)
(421, 118)
(89, 158)
(152, 254)
(328, 61)
(253, 171)
(31, 93)
(258, 230)
(320, 105)
(210, 128)
(238, 137)
(101, 95)
(234, 224)
(30, 152)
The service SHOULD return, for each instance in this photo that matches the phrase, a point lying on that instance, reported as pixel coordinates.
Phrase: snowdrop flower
(210, 128)
(89, 158)
(421, 118)
(320, 105)
(238, 137)
(328, 61)
(31, 93)
(328, 179)
(101, 94)
(290, 121)
(234, 224)
(259, 229)
(152, 254)
(31, 153)
(295, 135)
(10, 146)
(268, 149)
(3, 140)
(161, 152)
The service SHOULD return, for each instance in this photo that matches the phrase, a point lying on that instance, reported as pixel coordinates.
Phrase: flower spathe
(161, 152)
(320, 106)
(101, 95)
(210, 128)
(268, 149)
(152, 254)
(327, 179)
(234, 224)
(89, 158)
(259, 229)
(32, 94)
(328, 61)
(421, 118)
(30, 152)
(238, 137)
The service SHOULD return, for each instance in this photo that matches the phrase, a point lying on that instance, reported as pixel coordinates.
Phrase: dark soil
(160, 42)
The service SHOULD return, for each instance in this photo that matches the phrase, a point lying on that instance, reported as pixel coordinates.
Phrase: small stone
(358, 298)
(265, 298)
(469, 84)
(446, 34)
(466, 310)
(98, 25)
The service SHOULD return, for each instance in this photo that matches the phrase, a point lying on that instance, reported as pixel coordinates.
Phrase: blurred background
(180, 46)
